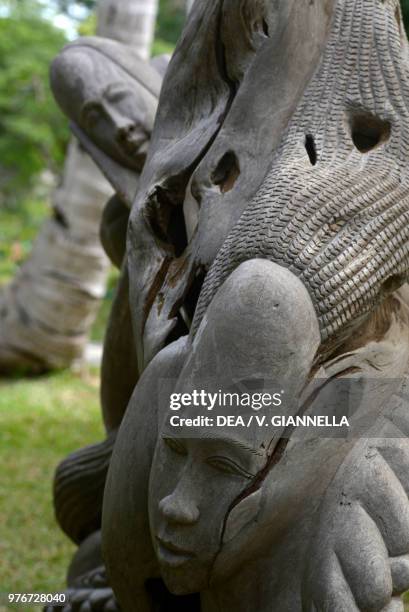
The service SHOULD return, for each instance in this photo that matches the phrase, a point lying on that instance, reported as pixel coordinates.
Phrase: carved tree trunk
(47, 310)
(281, 135)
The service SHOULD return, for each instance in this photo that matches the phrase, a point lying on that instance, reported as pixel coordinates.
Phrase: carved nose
(176, 510)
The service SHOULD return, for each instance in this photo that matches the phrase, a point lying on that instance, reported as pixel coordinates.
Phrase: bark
(47, 310)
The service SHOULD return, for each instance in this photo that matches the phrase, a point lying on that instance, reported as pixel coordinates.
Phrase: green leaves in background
(33, 133)
(171, 19)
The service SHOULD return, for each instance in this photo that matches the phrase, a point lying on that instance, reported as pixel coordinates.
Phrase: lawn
(41, 421)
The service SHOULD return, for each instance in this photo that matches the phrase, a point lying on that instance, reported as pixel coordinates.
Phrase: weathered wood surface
(220, 121)
(283, 138)
(268, 236)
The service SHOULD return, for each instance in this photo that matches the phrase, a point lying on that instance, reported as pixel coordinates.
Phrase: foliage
(88, 26)
(17, 232)
(33, 130)
(171, 18)
(66, 5)
(160, 47)
(41, 421)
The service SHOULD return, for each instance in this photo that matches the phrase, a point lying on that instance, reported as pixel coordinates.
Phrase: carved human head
(194, 482)
(105, 99)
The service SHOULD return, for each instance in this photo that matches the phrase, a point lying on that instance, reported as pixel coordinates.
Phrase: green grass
(41, 421)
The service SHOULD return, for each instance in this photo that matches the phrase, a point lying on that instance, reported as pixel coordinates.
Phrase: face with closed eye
(110, 106)
(193, 484)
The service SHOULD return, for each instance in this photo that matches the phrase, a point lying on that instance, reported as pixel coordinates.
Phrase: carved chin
(190, 578)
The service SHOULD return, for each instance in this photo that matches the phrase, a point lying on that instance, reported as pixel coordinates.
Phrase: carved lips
(172, 555)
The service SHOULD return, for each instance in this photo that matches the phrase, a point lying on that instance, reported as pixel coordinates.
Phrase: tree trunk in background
(189, 4)
(129, 21)
(47, 310)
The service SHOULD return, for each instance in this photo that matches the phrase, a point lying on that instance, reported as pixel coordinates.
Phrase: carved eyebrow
(239, 444)
(229, 441)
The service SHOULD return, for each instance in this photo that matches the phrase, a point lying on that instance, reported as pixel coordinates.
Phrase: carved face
(106, 102)
(192, 487)
(116, 123)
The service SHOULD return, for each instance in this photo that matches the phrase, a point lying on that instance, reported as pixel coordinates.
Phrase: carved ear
(124, 180)
(241, 515)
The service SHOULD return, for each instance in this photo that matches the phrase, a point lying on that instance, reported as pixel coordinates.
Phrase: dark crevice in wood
(226, 172)
(179, 330)
(220, 54)
(155, 287)
(272, 460)
(368, 131)
(60, 218)
(165, 216)
(311, 149)
(192, 296)
(265, 28)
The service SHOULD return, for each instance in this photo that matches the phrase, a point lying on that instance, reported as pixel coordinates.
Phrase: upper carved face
(193, 484)
(105, 101)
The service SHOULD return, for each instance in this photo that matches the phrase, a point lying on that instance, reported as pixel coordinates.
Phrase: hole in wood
(168, 222)
(227, 172)
(265, 27)
(368, 131)
(311, 148)
(59, 217)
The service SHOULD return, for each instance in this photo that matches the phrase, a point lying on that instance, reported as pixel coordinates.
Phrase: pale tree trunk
(46, 312)
(129, 21)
